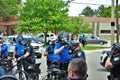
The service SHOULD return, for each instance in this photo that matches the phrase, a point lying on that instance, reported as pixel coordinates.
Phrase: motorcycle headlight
(30, 67)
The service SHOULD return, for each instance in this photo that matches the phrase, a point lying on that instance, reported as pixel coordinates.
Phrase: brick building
(7, 25)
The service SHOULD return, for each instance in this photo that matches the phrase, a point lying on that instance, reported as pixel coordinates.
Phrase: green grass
(93, 47)
(89, 47)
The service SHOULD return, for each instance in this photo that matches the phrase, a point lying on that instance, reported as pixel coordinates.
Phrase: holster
(111, 77)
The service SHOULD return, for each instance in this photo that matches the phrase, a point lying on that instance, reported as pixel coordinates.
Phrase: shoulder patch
(79, 54)
(116, 58)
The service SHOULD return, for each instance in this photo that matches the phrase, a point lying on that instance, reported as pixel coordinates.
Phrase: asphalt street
(95, 70)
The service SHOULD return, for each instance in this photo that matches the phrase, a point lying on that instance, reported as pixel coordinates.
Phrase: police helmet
(53, 39)
(116, 46)
(20, 37)
(63, 36)
(76, 44)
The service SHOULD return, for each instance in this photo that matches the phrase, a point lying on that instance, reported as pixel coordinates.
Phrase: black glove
(110, 53)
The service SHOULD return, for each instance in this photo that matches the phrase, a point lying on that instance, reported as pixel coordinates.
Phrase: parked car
(104, 57)
(95, 40)
(41, 37)
(37, 46)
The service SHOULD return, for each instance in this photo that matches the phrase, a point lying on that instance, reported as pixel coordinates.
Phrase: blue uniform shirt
(64, 54)
(19, 49)
(81, 36)
(2, 71)
(4, 50)
(51, 55)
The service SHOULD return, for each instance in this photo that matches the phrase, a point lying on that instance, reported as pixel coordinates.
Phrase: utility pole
(117, 22)
(112, 23)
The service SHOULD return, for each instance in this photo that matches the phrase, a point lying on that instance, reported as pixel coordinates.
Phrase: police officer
(49, 52)
(82, 39)
(77, 52)
(62, 48)
(77, 69)
(29, 55)
(51, 57)
(2, 71)
(113, 62)
(3, 49)
(19, 49)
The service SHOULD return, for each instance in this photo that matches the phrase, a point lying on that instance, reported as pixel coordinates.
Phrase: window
(51, 35)
(41, 36)
(105, 31)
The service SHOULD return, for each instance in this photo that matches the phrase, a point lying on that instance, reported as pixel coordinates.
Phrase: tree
(100, 11)
(88, 12)
(107, 12)
(8, 8)
(77, 26)
(39, 15)
(43, 16)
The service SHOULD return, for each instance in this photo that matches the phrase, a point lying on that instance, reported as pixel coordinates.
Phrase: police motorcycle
(33, 69)
(55, 70)
(55, 73)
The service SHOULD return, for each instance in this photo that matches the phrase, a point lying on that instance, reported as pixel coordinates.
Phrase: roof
(98, 19)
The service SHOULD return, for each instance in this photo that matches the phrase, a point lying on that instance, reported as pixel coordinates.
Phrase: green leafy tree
(88, 12)
(107, 12)
(77, 26)
(43, 16)
(8, 8)
(100, 11)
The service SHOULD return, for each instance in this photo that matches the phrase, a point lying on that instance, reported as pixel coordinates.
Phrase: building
(101, 26)
(7, 25)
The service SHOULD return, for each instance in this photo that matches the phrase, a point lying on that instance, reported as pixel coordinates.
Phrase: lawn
(87, 47)
(93, 47)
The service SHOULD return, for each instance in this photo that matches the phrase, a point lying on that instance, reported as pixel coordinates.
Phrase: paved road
(43, 66)
(95, 70)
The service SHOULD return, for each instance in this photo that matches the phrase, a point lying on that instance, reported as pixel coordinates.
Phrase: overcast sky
(77, 6)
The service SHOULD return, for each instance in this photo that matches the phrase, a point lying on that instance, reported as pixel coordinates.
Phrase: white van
(41, 37)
